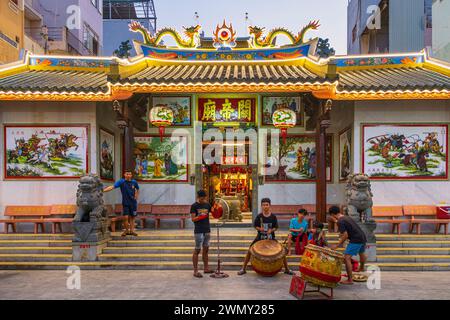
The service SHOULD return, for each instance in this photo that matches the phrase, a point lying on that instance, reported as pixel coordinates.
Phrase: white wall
(305, 193)
(44, 192)
(402, 192)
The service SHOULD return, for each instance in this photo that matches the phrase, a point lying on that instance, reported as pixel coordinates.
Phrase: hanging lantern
(283, 119)
(161, 116)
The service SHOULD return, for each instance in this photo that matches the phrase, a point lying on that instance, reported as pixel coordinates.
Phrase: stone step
(35, 243)
(34, 236)
(36, 250)
(35, 257)
(415, 243)
(228, 267)
(413, 258)
(213, 250)
(239, 257)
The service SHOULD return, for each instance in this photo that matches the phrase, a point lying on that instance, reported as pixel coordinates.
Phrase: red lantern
(283, 119)
(161, 116)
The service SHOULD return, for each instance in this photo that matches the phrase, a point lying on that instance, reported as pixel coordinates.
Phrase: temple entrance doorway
(231, 178)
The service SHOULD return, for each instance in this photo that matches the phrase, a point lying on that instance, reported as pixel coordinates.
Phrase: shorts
(129, 211)
(202, 240)
(354, 249)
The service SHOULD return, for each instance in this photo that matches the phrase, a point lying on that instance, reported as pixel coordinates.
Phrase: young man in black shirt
(200, 211)
(350, 230)
(266, 224)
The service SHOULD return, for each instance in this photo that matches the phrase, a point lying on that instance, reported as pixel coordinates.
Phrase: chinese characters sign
(227, 110)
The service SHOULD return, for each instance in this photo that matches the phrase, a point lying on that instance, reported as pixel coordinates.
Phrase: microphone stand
(219, 274)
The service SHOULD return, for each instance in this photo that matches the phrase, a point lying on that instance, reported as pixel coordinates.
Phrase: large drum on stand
(321, 266)
(267, 257)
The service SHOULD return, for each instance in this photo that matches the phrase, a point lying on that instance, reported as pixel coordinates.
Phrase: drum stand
(219, 274)
(317, 290)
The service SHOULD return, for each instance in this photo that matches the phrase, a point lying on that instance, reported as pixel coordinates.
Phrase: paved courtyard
(143, 284)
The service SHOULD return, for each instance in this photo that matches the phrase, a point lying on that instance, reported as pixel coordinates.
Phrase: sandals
(124, 234)
(198, 275)
(241, 272)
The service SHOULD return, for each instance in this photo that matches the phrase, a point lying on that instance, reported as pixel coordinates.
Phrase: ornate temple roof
(341, 78)
(226, 65)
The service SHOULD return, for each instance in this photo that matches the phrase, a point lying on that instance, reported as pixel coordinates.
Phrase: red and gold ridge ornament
(224, 36)
(284, 119)
(161, 116)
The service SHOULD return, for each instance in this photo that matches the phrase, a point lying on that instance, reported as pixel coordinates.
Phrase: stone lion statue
(359, 197)
(90, 200)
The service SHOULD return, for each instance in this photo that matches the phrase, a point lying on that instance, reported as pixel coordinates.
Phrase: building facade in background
(441, 29)
(11, 30)
(71, 27)
(117, 14)
(394, 26)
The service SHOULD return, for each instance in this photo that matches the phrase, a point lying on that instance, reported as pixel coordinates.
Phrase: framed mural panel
(405, 151)
(161, 161)
(106, 154)
(181, 107)
(345, 153)
(46, 151)
(272, 103)
(297, 159)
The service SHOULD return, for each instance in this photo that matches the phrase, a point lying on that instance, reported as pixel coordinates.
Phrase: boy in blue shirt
(297, 228)
(130, 193)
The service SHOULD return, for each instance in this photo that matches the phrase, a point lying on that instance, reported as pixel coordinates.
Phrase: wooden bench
(115, 216)
(143, 213)
(390, 215)
(284, 212)
(26, 214)
(427, 214)
(181, 212)
(61, 213)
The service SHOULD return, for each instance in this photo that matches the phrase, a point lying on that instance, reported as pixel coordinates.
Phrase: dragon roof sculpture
(258, 41)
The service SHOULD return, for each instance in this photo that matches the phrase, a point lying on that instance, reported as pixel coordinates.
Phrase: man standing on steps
(350, 230)
(266, 224)
(130, 193)
(200, 211)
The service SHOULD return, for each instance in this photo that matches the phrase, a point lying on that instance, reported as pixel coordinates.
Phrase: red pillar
(321, 166)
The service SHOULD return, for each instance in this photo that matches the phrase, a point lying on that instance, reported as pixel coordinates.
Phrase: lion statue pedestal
(359, 207)
(90, 223)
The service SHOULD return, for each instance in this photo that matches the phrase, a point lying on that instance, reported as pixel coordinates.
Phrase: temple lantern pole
(323, 122)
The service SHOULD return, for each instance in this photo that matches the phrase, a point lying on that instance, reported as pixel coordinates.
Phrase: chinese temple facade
(386, 116)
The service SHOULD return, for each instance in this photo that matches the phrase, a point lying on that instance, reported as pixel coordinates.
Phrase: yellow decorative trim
(221, 87)
(55, 96)
(392, 95)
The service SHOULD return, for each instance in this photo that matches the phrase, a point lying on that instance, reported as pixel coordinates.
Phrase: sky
(291, 14)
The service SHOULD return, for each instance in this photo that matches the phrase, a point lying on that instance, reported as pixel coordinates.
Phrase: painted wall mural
(106, 149)
(405, 151)
(297, 159)
(271, 104)
(36, 152)
(181, 107)
(161, 161)
(345, 154)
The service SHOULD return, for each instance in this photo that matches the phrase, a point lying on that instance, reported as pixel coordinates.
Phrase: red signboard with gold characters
(227, 110)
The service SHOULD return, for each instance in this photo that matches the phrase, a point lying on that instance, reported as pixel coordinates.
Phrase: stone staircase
(172, 250)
